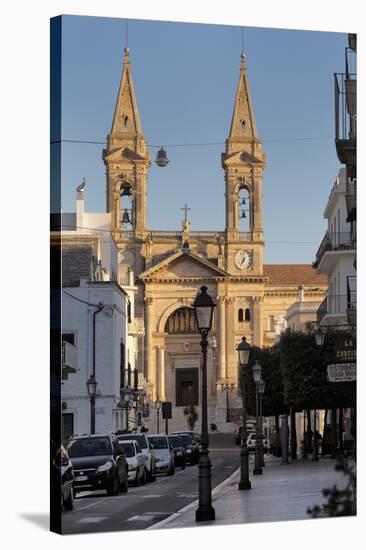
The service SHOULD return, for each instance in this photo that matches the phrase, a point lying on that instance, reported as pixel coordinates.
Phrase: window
(271, 323)
(69, 337)
(247, 314)
(240, 316)
(67, 426)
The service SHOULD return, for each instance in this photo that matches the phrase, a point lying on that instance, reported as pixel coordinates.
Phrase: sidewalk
(282, 493)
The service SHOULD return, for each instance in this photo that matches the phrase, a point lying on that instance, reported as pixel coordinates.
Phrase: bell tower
(243, 162)
(127, 160)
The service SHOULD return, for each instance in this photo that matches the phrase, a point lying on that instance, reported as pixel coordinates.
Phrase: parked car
(135, 460)
(191, 447)
(150, 460)
(99, 463)
(63, 476)
(252, 439)
(177, 446)
(163, 454)
(237, 435)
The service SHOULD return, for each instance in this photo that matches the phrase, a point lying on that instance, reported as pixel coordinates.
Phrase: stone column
(222, 337)
(258, 320)
(230, 339)
(162, 372)
(148, 340)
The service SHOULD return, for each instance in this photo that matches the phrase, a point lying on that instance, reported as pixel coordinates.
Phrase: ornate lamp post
(243, 350)
(203, 310)
(257, 377)
(261, 388)
(157, 408)
(227, 387)
(92, 389)
(126, 403)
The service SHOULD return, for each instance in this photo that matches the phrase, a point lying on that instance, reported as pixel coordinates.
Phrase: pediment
(182, 265)
(242, 157)
(124, 153)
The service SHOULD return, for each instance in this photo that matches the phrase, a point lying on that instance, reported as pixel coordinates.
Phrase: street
(143, 506)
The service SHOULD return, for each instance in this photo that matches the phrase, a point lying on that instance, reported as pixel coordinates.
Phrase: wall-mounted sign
(345, 348)
(99, 410)
(341, 372)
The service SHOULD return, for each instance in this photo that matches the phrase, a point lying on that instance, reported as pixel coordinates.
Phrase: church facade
(171, 266)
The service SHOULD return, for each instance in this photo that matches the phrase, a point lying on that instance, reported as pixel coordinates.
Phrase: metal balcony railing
(332, 242)
(333, 304)
(352, 299)
(345, 96)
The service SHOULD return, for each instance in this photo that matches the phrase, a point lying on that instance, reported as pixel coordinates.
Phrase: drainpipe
(99, 307)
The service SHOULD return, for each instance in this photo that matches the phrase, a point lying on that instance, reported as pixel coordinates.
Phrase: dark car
(176, 444)
(191, 447)
(63, 477)
(150, 460)
(99, 463)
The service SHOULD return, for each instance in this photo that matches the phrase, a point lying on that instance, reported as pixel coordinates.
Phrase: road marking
(91, 505)
(147, 516)
(95, 519)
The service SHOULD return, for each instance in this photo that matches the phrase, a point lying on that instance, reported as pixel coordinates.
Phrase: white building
(336, 258)
(99, 331)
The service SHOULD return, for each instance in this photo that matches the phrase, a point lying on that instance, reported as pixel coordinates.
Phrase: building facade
(171, 266)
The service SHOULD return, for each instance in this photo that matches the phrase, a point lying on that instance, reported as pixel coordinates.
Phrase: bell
(243, 202)
(243, 214)
(126, 192)
(125, 216)
(161, 158)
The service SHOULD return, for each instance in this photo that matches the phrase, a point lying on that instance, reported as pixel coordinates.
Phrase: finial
(243, 58)
(127, 51)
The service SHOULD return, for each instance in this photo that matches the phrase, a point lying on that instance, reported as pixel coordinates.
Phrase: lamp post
(92, 389)
(243, 350)
(257, 377)
(261, 388)
(227, 387)
(315, 456)
(157, 408)
(203, 310)
(126, 403)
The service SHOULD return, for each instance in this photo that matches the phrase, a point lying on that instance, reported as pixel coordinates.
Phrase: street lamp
(157, 405)
(126, 403)
(92, 390)
(203, 311)
(320, 336)
(227, 387)
(261, 388)
(257, 377)
(243, 350)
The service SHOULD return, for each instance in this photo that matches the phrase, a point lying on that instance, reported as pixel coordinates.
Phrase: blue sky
(185, 79)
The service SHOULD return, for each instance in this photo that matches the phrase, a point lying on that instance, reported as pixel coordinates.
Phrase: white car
(135, 460)
(163, 454)
(252, 439)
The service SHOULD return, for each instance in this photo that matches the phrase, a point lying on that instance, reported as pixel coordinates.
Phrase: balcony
(346, 116)
(333, 242)
(68, 359)
(333, 310)
(352, 300)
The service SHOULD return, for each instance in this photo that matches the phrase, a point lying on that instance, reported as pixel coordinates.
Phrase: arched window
(181, 321)
(247, 314)
(240, 316)
(244, 210)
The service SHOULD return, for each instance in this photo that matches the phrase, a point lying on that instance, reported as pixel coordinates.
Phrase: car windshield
(187, 440)
(128, 448)
(159, 442)
(139, 438)
(176, 441)
(89, 446)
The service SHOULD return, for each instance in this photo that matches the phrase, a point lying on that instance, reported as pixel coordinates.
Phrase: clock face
(243, 259)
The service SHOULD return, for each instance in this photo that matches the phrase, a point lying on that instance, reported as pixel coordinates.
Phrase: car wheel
(69, 502)
(114, 486)
(144, 478)
(171, 471)
(124, 485)
(183, 466)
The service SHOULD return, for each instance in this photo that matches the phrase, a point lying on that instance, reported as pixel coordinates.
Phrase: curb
(218, 489)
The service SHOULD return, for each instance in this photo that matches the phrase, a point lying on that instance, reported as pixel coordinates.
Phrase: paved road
(143, 506)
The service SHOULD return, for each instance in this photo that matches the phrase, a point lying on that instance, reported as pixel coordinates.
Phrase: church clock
(243, 259)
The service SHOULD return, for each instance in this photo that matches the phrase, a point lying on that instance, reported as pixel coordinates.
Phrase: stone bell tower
(127, 160)
(243, 162)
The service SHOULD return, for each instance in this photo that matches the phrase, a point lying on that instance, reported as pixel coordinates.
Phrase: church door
(187, 385)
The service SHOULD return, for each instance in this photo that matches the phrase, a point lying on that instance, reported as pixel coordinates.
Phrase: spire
(243, 127)
(126, 120)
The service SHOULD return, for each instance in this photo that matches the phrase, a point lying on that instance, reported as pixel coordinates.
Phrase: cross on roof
(185, 211)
